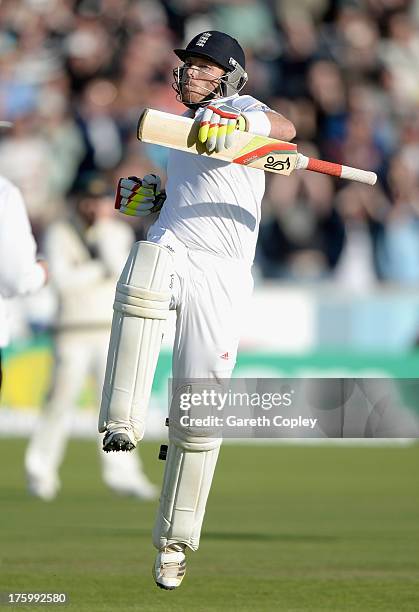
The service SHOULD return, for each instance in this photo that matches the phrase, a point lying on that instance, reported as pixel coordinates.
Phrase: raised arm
(281, 128)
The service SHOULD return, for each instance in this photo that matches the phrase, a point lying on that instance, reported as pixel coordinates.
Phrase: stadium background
(337, 267)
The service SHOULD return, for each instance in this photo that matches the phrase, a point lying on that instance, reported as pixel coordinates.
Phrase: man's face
(199, 78)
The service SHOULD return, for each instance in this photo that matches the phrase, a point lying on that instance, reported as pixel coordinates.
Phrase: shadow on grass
(218, 535)
(265, 537)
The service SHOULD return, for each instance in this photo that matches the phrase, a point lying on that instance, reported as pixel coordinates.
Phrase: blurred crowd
(76, 74)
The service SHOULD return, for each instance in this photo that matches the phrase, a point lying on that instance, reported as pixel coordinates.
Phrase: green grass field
(287, 529)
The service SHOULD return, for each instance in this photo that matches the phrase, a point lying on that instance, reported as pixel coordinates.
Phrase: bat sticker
(279, 165)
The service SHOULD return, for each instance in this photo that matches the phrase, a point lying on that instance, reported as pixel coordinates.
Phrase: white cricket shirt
(212, 205)
(19, 272)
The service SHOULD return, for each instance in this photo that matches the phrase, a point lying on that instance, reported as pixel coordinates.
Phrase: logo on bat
(271, 164)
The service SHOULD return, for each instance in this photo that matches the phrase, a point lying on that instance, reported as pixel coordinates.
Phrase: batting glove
(218, 125)
(139, 197)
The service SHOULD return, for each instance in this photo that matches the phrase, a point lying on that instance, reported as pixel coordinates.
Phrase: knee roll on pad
(189, 471)
(185, 432)
(140, 309)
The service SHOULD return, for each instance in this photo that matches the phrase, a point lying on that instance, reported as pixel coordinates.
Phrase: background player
(86, 252)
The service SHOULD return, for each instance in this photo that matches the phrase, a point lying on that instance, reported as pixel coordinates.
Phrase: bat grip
(346, 172)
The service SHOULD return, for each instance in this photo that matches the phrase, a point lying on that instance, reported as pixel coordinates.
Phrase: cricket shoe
(118, 441)
(170, 566)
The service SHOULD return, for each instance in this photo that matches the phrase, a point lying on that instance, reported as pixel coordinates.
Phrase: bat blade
(181, 133)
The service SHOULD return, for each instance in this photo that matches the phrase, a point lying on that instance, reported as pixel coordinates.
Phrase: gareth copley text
(208, 401)
(234, 421)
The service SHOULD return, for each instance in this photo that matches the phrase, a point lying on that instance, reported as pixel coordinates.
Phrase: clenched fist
(139, 197)
(217, 126)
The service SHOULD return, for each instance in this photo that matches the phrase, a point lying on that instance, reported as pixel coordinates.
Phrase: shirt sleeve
(19, 272)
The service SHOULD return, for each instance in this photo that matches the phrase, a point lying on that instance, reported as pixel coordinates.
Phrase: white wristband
(258, 123)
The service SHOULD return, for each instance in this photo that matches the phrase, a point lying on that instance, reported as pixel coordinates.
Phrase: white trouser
(210, 296)
(76, 355)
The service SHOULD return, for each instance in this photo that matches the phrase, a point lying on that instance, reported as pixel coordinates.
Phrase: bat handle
(346, 172)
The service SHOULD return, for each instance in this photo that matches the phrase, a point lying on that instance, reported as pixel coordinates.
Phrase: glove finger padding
(133, 205)
(136, 197)
(135, 212)
(204, 125)
(213, 132)
(217, 127)
(221, 134)
(123, 184)
(152, 181)
(231, 127)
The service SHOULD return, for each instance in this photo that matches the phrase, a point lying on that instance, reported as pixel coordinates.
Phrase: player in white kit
(197, 260)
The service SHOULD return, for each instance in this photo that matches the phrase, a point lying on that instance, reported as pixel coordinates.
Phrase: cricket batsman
(197, 260)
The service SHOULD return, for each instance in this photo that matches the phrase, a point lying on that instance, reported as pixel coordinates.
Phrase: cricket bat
(259, 152)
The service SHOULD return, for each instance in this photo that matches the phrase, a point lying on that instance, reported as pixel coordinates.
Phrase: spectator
(305, 235)
(363, 212)
(76, 74)
(401, 237)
